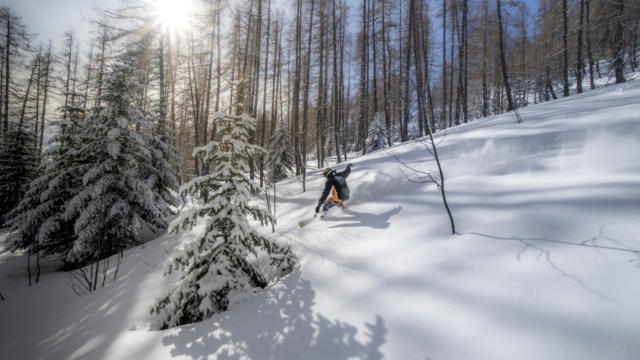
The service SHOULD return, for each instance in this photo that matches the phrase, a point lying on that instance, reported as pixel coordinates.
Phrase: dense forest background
(327, 71)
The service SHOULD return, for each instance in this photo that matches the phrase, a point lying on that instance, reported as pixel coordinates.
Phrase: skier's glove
(317, 209)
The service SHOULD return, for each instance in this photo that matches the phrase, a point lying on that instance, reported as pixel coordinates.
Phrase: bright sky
(49, 19)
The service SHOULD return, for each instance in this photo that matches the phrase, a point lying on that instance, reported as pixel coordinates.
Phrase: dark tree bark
(264, 94)
(7, 70)
(320, 92)
(618, 61)
(103, 50)
(295, 103)
(385, 75)
(374, 57)
(589, 53)
(404, 136)
(45, 89)
(485, 85)
(503, 61)
(465, 47)
(87, 81)
(335, 87)
(69, 52)
(565, 50)
(26, 95)
(459, 89)
(37, 110)
(363, 80)
(443, 113)
(579, 60)
(413, 27)
(305, 101)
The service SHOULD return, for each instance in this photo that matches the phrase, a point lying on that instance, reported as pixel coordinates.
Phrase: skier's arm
(323, 197)
(346, 171)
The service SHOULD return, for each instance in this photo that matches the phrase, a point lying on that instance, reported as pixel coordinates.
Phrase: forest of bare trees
(323, 71)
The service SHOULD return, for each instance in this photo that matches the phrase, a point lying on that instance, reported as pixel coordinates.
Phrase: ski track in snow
(544, 266)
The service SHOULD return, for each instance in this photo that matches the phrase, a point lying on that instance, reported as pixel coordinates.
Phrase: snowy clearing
(545, 266)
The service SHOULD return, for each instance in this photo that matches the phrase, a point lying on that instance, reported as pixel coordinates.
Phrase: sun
(174, 14)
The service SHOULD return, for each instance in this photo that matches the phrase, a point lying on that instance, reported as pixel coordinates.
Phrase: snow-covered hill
(545, 266)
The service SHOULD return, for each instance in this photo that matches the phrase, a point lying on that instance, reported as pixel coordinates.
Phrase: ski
(303, 223)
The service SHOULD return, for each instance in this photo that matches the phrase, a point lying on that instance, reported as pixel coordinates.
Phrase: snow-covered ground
(545, 266)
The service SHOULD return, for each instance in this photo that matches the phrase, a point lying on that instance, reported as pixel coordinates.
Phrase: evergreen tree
(231, 258)
(377, 136)
(280, 158)
(119, 188)
(37, 222)
(18, 166)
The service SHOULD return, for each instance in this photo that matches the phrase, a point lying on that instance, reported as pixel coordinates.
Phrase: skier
(336, 182)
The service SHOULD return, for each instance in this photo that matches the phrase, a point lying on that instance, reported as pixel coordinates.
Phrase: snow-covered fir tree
(18, 166)
(37, 222)
(377, 136)
(231, 258)
(119, 194)
(280, 157)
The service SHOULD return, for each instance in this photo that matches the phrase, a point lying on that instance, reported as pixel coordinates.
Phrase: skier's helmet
(326, 172)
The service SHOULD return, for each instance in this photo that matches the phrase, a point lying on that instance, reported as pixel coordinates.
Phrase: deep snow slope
(545, 265)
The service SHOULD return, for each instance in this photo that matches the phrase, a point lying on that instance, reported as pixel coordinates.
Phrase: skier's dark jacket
(337, 181)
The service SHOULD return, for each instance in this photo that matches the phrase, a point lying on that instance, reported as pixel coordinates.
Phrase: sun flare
(173, 13)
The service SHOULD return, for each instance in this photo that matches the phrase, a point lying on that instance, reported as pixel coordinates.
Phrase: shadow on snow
(283, 325)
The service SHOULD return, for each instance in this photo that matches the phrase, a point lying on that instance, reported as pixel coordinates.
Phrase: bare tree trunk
(321, 85)
(589, 53)
(74, 79)
(363, 80)
(451, 63)
(103, 44)
(195, 101)
(7, 78)
(87, 81)
(1, 90)
(400, 82)
(305, 101)
(162, 84)
(218, 69)
(275, 82)
(344, 115)
(413, 28)
(69, 43)
(405, 134)
(459, 90)
(295, 104)
(256, 81)
(503, 61)
(618, 62)
(264, 94)
(565, 50)
(35, 132)
(485, 35)
(334, 91)
(443, 113)
(579, 61)
(385, 75)
(46, 92)
(26, 95)
(465, 47)
(425, 28)
(372, 14)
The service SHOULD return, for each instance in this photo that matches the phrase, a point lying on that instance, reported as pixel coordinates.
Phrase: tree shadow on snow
(360, 219)
(277, 324)
(544, 253)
